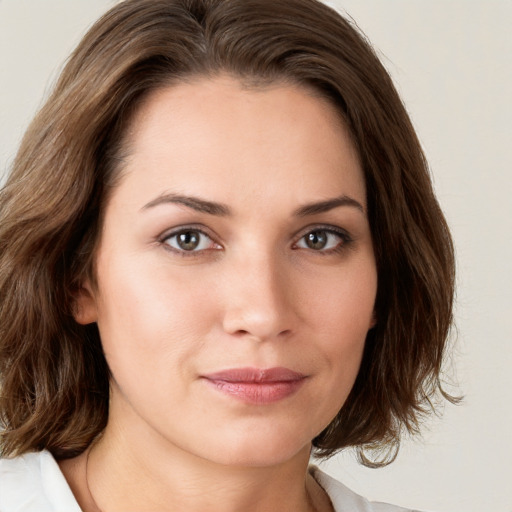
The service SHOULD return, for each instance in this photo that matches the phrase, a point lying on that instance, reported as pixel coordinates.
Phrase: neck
(132, 467)
(144, 479)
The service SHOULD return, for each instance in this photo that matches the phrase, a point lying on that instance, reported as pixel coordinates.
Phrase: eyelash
(345, 240)
(164, 240)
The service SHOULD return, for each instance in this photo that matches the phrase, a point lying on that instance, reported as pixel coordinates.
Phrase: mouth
(256, 386)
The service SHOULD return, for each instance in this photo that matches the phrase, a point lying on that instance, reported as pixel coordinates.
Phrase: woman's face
(235, 272)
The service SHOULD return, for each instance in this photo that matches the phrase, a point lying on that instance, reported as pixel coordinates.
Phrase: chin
(259, 450)
(259, 458)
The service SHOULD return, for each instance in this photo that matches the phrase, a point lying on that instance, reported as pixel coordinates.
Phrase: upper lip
(255, 375)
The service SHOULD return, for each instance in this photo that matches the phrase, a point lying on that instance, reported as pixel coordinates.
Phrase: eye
(189, 240)
(323, 239)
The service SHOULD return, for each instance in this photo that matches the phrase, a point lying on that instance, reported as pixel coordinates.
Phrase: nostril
(243, 333)
(259, 317)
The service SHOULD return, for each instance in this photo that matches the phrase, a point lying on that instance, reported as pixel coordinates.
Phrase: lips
(255, 385)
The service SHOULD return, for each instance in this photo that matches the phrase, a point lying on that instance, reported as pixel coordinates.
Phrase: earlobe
(84, 305)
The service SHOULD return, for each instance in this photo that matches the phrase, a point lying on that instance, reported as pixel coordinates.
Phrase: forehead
(216, 136)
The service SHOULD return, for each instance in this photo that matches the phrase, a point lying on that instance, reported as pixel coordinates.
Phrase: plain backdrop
(451, 61)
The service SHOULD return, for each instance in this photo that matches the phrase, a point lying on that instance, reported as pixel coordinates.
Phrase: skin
(252, 294)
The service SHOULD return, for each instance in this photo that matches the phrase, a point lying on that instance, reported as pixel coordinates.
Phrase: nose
(259, 300)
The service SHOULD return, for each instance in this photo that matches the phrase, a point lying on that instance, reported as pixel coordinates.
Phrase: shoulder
(345, 500)
(33, 482)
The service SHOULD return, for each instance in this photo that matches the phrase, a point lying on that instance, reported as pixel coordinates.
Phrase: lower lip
(257, 392)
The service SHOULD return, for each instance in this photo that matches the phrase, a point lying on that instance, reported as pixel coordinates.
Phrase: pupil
(188, 240)
(316, 240)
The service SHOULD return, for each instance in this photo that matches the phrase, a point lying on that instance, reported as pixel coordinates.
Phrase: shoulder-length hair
(54, 378)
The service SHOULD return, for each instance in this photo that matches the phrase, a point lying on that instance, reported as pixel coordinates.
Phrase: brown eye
(189, 240)
(324, 240)
(316, 240)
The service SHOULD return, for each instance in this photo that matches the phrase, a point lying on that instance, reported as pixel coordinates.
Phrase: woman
(220, 250)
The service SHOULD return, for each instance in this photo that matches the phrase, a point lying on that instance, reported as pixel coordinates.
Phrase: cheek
(343, 316)
(345, 305)
(148, 319)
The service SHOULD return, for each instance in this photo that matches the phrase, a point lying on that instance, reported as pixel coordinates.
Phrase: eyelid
(346, 237)
(329, 228)
(169, 233)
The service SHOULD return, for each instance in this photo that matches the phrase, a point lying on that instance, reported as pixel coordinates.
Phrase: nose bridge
(259, 303)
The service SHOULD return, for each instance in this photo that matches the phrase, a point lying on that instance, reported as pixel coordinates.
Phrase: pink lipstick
(256, 386)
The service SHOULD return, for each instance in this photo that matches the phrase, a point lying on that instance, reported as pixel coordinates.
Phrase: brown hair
(54, 378)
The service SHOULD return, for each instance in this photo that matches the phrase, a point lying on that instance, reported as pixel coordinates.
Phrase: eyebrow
(222, 210)
(195, 203)
(328, 204)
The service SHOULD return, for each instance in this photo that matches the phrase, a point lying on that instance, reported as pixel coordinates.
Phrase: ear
(373, 320)
(84, 305)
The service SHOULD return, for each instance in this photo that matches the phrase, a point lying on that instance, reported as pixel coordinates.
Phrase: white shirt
(34, 483)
